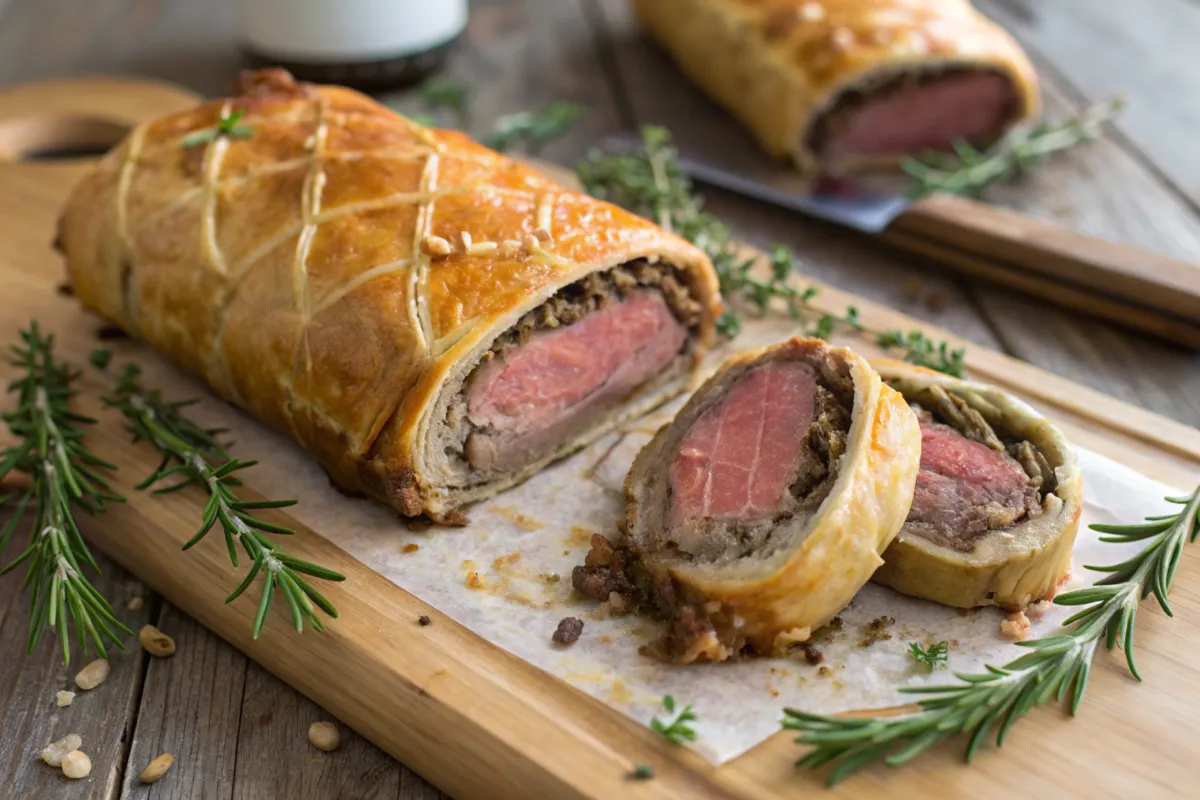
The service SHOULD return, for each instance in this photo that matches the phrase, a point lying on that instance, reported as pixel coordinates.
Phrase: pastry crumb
(64, 699)
(876, 631)
(1039, 609)
(1015, 626)
(134, 603)
(410, 548)
(475, 581)
(424, 620)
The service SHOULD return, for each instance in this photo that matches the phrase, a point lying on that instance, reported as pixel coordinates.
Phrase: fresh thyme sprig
(453, 96)
(194, 457)
(63, 475)
(968, 171)
(1054, 666)
(934, 657)
(534, 128)
(677, 730)
(227, 126)
(650, 182)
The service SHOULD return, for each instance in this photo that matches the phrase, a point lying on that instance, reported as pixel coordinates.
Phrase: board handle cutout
(55, 137)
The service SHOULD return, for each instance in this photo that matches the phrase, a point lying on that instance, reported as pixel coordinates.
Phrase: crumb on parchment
(1015, 626)
(876, 630)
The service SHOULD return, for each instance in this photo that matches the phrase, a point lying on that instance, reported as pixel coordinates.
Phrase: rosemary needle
(677, 730)
(1052, 668)
(650, 181)
(63, 475)
(192, 456)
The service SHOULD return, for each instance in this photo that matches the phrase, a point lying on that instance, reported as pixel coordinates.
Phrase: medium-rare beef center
(997, 501)
(764, 506)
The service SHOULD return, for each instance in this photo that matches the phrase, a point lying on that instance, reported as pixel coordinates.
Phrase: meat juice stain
(523, 521)
(579, 536)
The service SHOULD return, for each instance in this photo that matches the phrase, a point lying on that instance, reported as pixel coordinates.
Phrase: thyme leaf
(677, 730)
(969, 171)
(935, 657)
(1054, 667)
(532, 128)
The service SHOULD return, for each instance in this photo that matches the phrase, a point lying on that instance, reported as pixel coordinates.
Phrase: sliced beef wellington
(846, 84)
(433, 321)
(755, 516)
(998, 497)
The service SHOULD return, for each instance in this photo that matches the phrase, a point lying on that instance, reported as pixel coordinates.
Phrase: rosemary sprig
(676, 730)
(227, 126)
(193, 456)
(934, 657)
(63, 475)
(650, 182)
(1054, 666)
(534, 128)
(968, 171)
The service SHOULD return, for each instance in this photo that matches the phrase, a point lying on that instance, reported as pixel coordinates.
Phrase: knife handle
(1138, 288)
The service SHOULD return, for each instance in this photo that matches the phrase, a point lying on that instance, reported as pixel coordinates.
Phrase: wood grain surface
(1139, 188)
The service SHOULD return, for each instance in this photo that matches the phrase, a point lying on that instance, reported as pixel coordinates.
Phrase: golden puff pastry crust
(780, 65)
(1010, 567)
(772, 600)
(315, 272)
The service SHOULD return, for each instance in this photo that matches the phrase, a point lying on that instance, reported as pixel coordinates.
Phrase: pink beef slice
(925, 116)
(965, 489)
(553, 386)
(737, 460)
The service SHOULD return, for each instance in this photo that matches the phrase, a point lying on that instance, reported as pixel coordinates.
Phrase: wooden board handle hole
(58, 137)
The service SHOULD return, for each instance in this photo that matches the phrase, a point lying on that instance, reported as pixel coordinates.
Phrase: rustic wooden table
(235, 730)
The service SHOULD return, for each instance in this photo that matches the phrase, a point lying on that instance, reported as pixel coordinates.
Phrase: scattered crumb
(774, 692)
(811, 654)
(134, 603)
(1039, 609)
(550, 577)
(424, 620)
(157, 768)
(324, 736)
(410, 548)
(92, 675)
(64, 699)
(511, 514)
(606, 639)
(568, 631)
(876, 630)
(1015, 627)
(828, 632)
(824, 672)
(475, 581)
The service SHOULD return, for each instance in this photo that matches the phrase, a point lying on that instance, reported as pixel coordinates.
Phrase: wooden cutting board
(479, 722)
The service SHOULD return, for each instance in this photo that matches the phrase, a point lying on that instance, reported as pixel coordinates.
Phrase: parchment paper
(506, 576)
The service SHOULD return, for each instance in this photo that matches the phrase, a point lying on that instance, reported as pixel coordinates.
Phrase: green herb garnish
(642, 772)
(1054, 667)
(650, 182)
(193, 456)
(676, 730)
(227, 127)
(63, 476)
(968, 171)
(445, 94)
(532, 128)
(935, 657)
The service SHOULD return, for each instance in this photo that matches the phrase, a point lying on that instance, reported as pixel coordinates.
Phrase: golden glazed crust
(1012, 567)
(777, 65)
(781, 599)
(291, 268)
